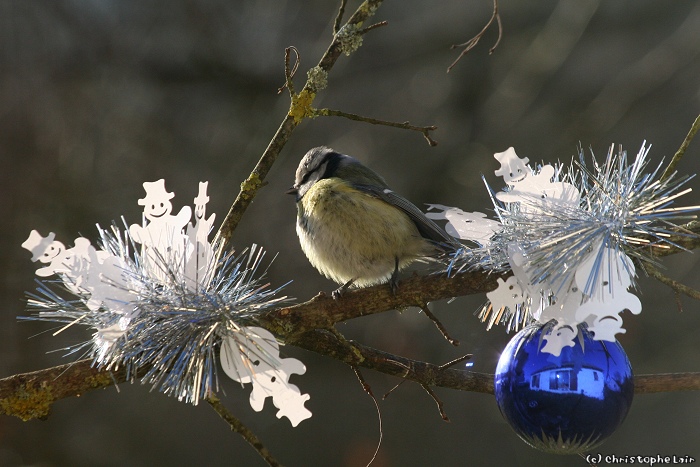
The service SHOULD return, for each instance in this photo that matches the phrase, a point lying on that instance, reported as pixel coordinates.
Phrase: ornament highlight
(564, 404)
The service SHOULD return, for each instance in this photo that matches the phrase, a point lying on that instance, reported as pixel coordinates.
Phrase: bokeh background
(98, 96)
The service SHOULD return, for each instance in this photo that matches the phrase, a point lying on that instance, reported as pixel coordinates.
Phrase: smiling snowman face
(44, 249)
(52, 252)
(513, 169)
(157, 208)
(200, 202)
(200, 210)
(157, 203)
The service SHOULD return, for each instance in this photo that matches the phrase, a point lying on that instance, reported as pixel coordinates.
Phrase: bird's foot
(340, 291)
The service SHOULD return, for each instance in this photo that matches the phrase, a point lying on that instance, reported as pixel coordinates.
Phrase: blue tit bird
(353, 228)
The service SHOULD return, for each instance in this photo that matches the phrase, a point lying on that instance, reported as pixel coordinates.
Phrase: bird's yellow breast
(348, 234)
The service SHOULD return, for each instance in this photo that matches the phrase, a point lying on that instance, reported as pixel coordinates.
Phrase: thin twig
(368, 389)
(396, 386)
(238, 427)
(289, 73)
(681, 150)
(373, 26)
(471, 43)
(461, 359)
(688, 238)
(437, 400)
(438, 325)
(299, 110)
(675, 285)
(339, 16)
(679, 303)
(425, 130)
(444, 366)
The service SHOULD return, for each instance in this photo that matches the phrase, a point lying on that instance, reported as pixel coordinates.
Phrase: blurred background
(98, 96)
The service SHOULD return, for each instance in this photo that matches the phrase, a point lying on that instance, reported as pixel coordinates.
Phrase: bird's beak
(292, 191)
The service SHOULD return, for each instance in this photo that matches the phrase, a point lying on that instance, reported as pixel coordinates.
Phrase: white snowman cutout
(199, 268)
(95, 275)
(72, 264)
(563, 310)
(604, 277)
(257, 361)
(532, 190)
(509, 294)
(474, 226)
(162, 238)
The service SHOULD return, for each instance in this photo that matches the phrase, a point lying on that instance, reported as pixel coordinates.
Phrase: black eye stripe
(331, 159)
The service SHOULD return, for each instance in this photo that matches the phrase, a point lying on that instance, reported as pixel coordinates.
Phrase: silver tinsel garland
(553, 219)
(161, 326)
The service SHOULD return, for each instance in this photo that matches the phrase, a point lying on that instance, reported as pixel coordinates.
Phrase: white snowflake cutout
(257, 361)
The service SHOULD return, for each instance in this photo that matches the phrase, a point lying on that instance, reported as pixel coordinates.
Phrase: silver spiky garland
(159, 325)
(620, 207)
(548, 227)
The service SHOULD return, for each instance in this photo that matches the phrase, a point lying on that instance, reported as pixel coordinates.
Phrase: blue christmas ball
(565, 404)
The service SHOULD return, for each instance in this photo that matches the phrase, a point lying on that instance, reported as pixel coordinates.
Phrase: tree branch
(300, 108)
(471, 43)
(238, 427)
(339, 16)
(425, 130)
(30, 395)
(675, 285)
(671, 168)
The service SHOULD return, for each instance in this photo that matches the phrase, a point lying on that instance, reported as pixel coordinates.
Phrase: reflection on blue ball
(566, 404)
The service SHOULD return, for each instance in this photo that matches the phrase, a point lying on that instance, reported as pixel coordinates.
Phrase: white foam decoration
(509, 294)
(258, 361)
(161, 233)
(595, 293)
(558, 337)
(613, 271)
(474, 226)
(567, 237)
(170, 305)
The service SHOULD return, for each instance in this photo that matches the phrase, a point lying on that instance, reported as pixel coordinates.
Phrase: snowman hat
(202, 197)
(38, 244)
(155, 191)
(506, 158)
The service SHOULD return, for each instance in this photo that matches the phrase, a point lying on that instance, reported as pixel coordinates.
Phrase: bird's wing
(427, 228)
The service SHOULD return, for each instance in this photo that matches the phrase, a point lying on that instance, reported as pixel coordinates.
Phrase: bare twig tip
(471, 43)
